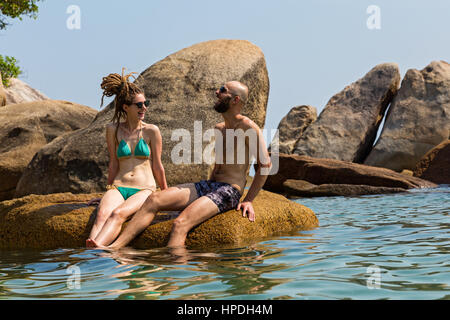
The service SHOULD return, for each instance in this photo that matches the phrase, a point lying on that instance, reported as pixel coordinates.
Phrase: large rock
(292, 126)
(181, 89)
(435, 164)
(347, 127)
(329, 171)
(26, 128)
(64, 221)
(2, 93)
(20, 92)
(418, 119)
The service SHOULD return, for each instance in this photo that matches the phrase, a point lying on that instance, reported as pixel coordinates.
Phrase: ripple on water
(402, 236)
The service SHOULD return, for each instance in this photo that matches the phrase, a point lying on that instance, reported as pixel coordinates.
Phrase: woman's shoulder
(150, 128)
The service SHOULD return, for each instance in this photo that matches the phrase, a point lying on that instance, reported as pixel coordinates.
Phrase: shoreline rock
(298, 188)
(435, 164)
(26, 128)
(64, 221)
(346, 128)
(417, 120)
(292, 126)
(320, 171)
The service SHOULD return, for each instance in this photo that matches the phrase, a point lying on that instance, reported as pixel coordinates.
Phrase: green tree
(16, 9)
(8, 69)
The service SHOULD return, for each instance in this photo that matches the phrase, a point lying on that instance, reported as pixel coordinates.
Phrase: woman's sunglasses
(141, 104)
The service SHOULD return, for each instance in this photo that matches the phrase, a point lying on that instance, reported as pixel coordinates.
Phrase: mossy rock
(64, 220)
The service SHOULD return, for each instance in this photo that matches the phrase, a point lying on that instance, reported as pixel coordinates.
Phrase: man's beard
(223, 105)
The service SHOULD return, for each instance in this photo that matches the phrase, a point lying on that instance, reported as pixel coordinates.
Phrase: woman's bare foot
(90, 243)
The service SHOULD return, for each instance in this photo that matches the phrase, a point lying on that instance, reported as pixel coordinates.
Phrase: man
(222, 192)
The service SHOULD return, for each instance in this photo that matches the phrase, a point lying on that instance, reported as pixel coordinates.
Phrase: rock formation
(2, 93)
(346, 129)
(435, 164)
(293, 125)
(26, 128)
(20, 92)
(418, 119)
(329, 171)
(181, 89)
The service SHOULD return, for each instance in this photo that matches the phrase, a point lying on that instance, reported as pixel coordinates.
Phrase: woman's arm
(157, 166)
(113, 167)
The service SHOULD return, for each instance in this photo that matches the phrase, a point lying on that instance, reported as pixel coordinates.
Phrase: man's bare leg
(171, 199)
(198, 211)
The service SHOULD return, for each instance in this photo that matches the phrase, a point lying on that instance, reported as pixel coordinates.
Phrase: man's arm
(263, 161)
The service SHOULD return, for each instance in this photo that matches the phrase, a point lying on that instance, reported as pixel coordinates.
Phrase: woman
(132, 143)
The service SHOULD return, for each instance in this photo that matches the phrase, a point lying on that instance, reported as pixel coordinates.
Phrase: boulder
(20, 92)
(292, 126)
(26, 128)
(301, 188)
(346, 128)
(320, 171)
(2, 93)
(418, 119)
(181, 89)
(64, 221)
(435, 164)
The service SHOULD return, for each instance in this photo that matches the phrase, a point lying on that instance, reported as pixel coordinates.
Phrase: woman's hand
(94, 202)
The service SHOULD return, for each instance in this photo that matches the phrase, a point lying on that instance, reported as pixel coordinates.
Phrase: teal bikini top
(140, 151)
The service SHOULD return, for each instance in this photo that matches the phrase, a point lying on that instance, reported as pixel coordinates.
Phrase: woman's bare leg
(111, 200)
(113, 225)
(171, 199)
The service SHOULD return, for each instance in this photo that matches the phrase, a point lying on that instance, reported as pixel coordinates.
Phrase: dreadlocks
(125, 91)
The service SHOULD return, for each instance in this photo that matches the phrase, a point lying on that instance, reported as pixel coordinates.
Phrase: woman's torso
(135, 170)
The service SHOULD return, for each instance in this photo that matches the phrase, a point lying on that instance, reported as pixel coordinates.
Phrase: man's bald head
(238, 89)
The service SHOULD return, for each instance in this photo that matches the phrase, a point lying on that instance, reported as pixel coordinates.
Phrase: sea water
(392, 246)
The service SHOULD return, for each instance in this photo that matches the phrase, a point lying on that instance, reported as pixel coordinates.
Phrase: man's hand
(247, 209)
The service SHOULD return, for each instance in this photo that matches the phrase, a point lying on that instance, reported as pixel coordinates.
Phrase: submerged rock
(329, 171)
(181, 89)
(435, 165)
(64, 221)
(418, 119)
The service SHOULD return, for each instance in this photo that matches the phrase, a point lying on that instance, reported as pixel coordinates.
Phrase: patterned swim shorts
(224, 195)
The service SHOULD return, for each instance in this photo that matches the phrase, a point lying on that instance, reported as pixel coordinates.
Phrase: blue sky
(313, 49)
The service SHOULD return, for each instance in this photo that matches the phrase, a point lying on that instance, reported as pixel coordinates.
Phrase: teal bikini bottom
(127, 192)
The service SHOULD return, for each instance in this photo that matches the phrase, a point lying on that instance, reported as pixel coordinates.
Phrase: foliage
(8, 69)
(16, 9)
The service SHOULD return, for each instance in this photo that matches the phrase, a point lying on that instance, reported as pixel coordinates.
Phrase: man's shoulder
(247, 123)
